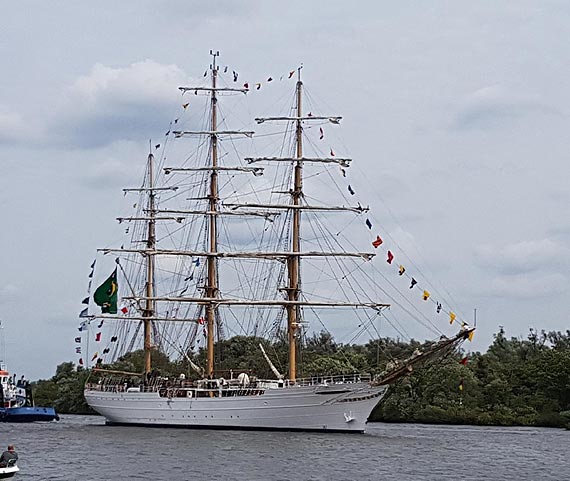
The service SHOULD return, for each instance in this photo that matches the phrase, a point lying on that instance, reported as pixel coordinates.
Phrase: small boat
(9, 470)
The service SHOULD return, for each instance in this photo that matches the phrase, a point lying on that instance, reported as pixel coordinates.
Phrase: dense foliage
(516, 382)
(64, 391)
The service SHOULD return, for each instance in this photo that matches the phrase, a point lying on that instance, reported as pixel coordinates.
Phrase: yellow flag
(470, 336)
(426, 295)
(452, 317)
(401, 270)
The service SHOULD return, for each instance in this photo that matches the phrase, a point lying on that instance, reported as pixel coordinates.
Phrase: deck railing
(336, 379)
(123, 385)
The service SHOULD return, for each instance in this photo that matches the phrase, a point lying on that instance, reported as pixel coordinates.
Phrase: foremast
(148, 312)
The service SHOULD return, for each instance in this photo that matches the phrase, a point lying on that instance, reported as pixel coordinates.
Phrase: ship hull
(27, 414)
(343, 408)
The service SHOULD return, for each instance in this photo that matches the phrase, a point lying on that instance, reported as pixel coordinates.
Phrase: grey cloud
(111, 168)
(522, 257)
(521, 286)
(114, 104)
(104, 129)
(493, 107)
(197, 12)
(13, 129)
(9, 293)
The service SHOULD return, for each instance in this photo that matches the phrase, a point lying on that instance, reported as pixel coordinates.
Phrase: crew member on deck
(8, 456)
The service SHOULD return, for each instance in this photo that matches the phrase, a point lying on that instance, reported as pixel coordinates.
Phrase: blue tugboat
(16, 401)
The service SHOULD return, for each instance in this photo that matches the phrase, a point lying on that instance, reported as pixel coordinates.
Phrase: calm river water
(83, 448)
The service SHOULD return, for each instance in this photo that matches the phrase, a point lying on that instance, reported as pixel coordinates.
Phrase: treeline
(516, 382)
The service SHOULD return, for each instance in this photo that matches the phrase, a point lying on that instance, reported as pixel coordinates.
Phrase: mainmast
(211, 299)
(151, 245)
(211, 286)
(294, 311)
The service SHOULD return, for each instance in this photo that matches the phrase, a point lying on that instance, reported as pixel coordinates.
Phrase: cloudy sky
(456, 113)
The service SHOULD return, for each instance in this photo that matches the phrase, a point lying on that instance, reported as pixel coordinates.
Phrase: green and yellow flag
(106, 294)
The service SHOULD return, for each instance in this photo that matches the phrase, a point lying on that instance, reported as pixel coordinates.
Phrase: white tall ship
(184, 283)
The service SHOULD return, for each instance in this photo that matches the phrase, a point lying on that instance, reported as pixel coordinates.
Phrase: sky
(456, 113)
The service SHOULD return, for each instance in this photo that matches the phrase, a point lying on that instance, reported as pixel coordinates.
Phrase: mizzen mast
(293, 303)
